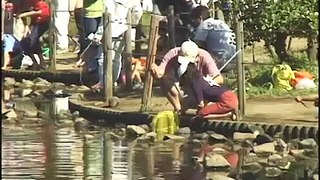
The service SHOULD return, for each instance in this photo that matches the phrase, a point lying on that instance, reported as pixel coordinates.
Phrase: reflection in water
(41, 150)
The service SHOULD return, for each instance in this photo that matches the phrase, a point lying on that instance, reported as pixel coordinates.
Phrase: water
(34, 148)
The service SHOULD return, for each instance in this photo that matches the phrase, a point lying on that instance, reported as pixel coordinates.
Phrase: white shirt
(119, 10)
(207, 25)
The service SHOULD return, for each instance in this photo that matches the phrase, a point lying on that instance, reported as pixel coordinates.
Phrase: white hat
(188, 52)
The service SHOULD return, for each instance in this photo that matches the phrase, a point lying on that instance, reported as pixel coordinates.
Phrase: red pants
(228, 102)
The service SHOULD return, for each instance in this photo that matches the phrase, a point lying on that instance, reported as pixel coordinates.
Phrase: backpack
(281, 76)
(165, 122)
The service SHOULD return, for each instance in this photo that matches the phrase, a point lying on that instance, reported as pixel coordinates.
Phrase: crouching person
(210, 97)
(174, 64)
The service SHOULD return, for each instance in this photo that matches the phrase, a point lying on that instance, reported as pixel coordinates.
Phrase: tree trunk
(270, 49)
(312, 48)
(280, 46)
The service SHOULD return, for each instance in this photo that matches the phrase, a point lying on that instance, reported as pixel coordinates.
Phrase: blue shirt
(11, 45)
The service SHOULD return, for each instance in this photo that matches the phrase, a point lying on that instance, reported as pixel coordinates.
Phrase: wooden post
(152, 45)
(137, 44)
(128, 52)
(53, 39)
(240, 69)
(171, 27)
(107, 157)
(107, 49)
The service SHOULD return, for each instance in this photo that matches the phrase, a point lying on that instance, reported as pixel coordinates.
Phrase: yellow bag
(281, 76)
(165, 122)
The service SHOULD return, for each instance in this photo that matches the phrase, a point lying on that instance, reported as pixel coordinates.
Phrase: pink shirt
(205, 63)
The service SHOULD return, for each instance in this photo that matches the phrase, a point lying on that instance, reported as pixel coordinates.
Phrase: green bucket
(46, 52)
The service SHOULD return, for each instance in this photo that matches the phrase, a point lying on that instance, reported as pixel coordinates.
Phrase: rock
(64, 114)
(256, 129)
(41, 82)
(252, 167)
(273, 172)
(9, 114)
(26, 106)
(218, 150)
(264, 148)
(280, 145)
(59, 85)
(184, 130)
(145, 127)
(42, 114)
(9, 82)
(237, 136)
(274, 159)
(307, 143)
(296, 152)
(263, 139)
(113, 101)
(220, 177)
(173, 137)
(216, 160)
(311, 153)
(135, 130)
(251, 158)
(27, 83)
(17, 84)
(83, 88)
(148, 137)
(216, 137)
(75, 114)
(200, 136)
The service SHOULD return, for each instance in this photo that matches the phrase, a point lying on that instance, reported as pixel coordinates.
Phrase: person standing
(62, 17)
(93, 10)
(119, 13)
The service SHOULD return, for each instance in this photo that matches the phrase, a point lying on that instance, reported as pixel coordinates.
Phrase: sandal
(235, 115)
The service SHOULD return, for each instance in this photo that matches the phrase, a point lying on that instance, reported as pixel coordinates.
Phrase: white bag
(305, 83)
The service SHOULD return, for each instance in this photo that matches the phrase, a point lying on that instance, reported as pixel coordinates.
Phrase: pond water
(34, 148)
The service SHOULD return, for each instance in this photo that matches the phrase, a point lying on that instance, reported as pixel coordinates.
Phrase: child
(40, 21)
(221, 99)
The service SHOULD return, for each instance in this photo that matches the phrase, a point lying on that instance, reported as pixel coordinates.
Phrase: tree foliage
(263, 19)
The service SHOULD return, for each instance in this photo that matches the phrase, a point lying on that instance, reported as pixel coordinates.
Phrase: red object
(300, 75)
(228, 102)
(232, 158)
(45, 11)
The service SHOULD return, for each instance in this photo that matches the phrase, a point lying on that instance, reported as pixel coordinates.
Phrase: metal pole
(128, 52)
(53, 38)
(151, 58)
(240, 68)
(107, 49)
(171, 27)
